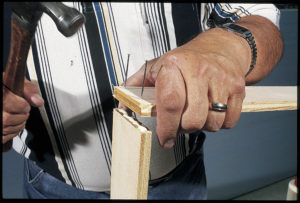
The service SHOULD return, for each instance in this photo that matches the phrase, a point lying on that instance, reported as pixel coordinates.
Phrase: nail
(37, 99)
(169, 143)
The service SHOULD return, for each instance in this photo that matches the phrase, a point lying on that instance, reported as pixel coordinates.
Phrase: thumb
(32, 94)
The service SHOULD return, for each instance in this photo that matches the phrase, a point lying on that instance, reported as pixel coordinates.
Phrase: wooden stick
(131, 150)
(258, 98)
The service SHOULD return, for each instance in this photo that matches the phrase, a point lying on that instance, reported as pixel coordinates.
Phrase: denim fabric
(186, 182)
(41, 185)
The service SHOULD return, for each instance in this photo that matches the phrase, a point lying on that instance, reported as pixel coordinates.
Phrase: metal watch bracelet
(246, 34)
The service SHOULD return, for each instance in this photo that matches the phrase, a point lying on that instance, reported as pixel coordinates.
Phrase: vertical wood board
(131, 150)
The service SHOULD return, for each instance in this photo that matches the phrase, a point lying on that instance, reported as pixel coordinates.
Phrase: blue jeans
(187, 181)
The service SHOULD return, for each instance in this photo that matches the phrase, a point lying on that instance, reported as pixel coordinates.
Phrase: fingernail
(37, 99)
(169, 143)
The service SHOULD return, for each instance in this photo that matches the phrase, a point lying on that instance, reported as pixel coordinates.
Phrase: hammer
(24, 20)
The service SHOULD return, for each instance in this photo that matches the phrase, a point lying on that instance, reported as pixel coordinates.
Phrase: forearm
(269, 46)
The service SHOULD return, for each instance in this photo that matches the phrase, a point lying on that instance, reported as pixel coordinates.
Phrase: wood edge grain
(136, 104)
(145, 152)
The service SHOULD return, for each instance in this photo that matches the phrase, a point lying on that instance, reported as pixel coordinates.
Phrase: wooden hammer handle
(15, 68)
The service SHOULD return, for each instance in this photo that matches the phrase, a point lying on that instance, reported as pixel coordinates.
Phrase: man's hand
(209, 68)
(16, 110)
(186, 81)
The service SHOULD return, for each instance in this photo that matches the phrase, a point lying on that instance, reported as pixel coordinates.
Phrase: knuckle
(173, 60)
(171, 102)
(239, 85)
(169, 61)
(170, 58)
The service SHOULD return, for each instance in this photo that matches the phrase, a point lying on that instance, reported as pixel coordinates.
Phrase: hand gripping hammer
(24, 19)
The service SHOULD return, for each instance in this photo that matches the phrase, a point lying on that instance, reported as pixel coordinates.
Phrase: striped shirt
(70, 136)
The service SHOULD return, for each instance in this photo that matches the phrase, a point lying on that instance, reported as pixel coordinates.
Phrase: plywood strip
(131, 150)
(143, 106)
(270, 98)
(258, 98)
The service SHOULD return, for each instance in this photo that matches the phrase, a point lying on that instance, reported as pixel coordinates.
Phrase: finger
(6, 138)
(234, 110)
(13, 129)
(217, 92)
(170, 100)
(14, 104)
(13, 119)
(32, 94)
(196, 107)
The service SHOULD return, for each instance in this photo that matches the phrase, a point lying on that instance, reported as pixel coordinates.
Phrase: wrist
(247, 35)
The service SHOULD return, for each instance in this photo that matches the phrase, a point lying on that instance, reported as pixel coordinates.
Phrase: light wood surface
(258, 98)
(131, 142)
(131, 150)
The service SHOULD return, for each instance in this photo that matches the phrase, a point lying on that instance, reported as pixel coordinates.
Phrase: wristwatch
(246, 34)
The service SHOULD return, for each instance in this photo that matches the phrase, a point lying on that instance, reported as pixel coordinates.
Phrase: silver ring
(218, 107)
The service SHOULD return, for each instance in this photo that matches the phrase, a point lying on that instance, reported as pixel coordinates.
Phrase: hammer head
(68, 20)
